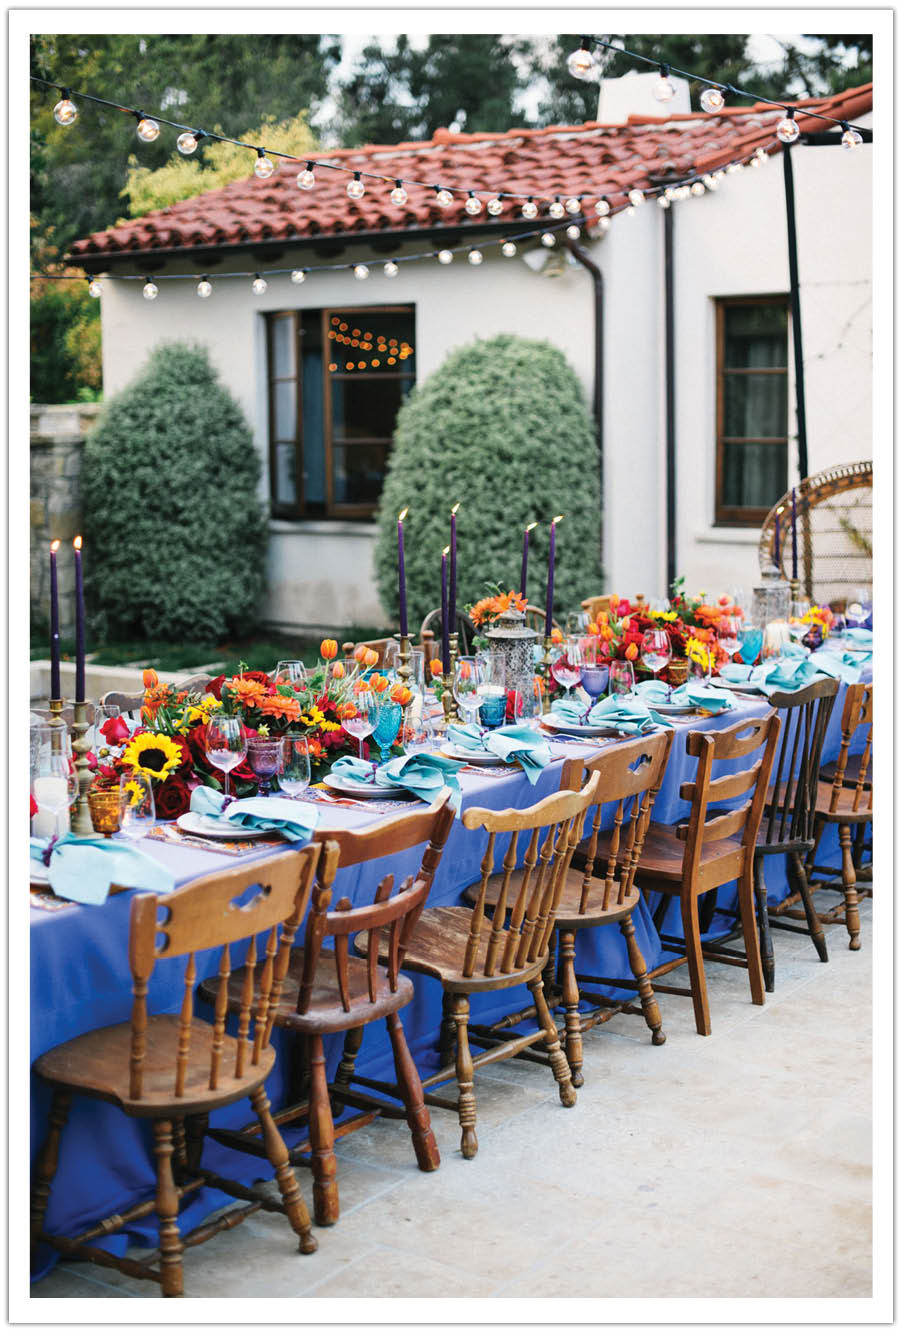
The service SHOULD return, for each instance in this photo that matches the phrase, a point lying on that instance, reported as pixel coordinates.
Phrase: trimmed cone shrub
(503, 427)
(175, 535)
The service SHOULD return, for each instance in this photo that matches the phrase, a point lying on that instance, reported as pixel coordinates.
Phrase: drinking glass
(621, 677)
(265, 756)
(656, 650)
(103, 713)
(465, 683)
(38, 743)
(576, 623)
(361, 714)
(295, 772)
(137, 807)
(797, 610)
(226, 744)
(419, 728)
(750, 640)
(565, 664)
(728, 634)
(594, 669)
(54, 787)
(290, 672)
(490, 690)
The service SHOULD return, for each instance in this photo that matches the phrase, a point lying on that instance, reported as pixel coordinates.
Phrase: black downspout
(668, 235)
(587, 262)
(796, 330)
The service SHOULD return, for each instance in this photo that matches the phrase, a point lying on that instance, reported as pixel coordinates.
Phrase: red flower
(259, 676)
(173, 798)
(34, 806)
(215, 687)
(115, 731)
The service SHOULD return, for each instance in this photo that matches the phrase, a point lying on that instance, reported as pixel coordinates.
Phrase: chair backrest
(67, 714)
(398, 914)
(858, 709)
(464, 628)
(377, 644)
(536, 618)
(795, 783)
(524, 937)
(834, 532)
(708, 747)
(594, 605)
(630, 775)
(132, 703)
(209, 913)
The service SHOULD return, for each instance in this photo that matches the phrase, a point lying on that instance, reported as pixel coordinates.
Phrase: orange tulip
(371, 657)
(556, 636)
(606, 633)
(613, 601)
(150, 678)
(593, 629)
(631, 652)
(346, 711)
(337, 671)
(465, 670)
(436, 667)
(328, 648)
(359, 652)
(379, 683)
(401, 694)
(362, 687)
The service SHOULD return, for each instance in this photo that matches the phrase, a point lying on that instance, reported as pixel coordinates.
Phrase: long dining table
(80, 979)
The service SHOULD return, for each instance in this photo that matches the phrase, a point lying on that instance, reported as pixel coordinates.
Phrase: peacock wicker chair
(834, 533)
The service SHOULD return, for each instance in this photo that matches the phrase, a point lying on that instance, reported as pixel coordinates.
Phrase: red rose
(187, 757)
(173, 798)
(261, 676)
(115, 731)
(215, 687)
(34, 806)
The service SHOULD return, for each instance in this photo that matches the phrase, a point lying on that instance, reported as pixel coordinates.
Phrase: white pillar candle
(50, 791)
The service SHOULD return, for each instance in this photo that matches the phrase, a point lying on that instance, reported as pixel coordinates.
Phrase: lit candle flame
(531, 527)
(559, 517)
(446, 550)
(456, 507)
(402, 515)
(780, 509)
(77, 543)
(54, 546)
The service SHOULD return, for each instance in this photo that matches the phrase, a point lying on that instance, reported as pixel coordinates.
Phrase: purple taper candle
(54, 624)
(551, 565)
(452, 611)
(777, 559)
(445, 614)
(79, 624)
(523, 582)
(401, 574)
(794, 534)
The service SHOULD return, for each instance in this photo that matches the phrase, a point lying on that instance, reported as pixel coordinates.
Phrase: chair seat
(326, 1011)
(568, 916)
(438, 949)
(662, 856)
(97, 1065)
(851, 772)
(845, 813)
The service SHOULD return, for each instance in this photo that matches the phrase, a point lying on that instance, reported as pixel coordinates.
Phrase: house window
(751, 407)
(336, 379)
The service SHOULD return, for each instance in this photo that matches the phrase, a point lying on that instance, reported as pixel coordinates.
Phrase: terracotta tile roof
(589, 159)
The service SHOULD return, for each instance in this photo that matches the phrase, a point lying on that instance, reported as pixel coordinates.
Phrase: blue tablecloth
(80, 980)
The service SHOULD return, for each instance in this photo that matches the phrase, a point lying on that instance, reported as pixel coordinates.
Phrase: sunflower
(154, 756)
(135, 791)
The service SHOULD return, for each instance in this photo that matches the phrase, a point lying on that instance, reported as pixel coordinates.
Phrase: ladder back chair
(327, 989)
(594, 605)
(712, 848)
(67, 714)
(472, 954)
(376, 644)
(132, 703)
(465, 629)
(847, 802)
(176, 1069)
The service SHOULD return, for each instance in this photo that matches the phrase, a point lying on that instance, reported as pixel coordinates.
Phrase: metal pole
(597, 277)
(668, 235)
(796, 329)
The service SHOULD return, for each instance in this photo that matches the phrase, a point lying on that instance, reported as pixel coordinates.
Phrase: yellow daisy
(155, 756)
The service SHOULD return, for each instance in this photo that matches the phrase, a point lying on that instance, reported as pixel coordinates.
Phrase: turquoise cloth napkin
(423, 775)
(627, 716)
(509, 743)
(846, 666)
(861, 637)
(694, 693)
(83, 869)
(294, 820)
(781, 673)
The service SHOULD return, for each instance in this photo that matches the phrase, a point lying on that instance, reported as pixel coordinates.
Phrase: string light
(573, 232)
(151, 290)
(630, 210)
(601, 207)
(95, 288)
(698, 188)
(259, 286)
(787, 129)
(663, 201)
(355, 188)
(850, 138)
(306, 180)
(473, 205)
(548, 239)
(712, 99)
(664, 88)
(263, 167)
(298, 275)
(581, 62)
(204, 288)
(557, 209)
(603, 224)
(635, 198)
(65, 112)
(760, 154)
(390, 269)
(186, 143)
(361, 271)
(476, 257)
(508, 249)
(495, 207)
(147, 129)
(529, 208)
(573, 206)
(443, 197)
(445, 256)
(398, 194)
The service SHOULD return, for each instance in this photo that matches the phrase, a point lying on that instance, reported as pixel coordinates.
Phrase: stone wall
(57, 445)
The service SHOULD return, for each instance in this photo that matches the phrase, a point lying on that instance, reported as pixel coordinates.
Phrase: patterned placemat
(45, 900)
(314, 796)
(175, 836)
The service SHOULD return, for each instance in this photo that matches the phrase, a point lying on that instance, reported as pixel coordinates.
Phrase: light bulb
(712, 100)
(529, 209)
(573, 206)
(601, 207)
(580, 62)
(630, 210)
(473, 205)
(360, 271)
(557, 209)
(697, 189)
(754, 161)
(663, 202)
(710, 182)
(663, 88)
(850, 138)
(573, 232)
(445, 256)
(355, 188)
(65, 112)
(259, 285)
(263, 166)
(443, 198)
(671, 193)
(720, 173)
(548, 239)
(787, 129)
(508, 249)
(204, 288)
(761, 155)
(391, 269)
(186, 143)
(398, 194)
(684, 191)
(635, 198)
(603, 224)
(94, 287)
(476, 257)
(147, 129)
(307, 178)
(495, 207)
(298, 275)
(151, 290)
(734, 167)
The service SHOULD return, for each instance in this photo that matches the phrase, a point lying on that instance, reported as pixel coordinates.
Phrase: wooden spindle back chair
(132, 703)
(376, 644)
(594, 605)
(67, 714)
(176, 1069)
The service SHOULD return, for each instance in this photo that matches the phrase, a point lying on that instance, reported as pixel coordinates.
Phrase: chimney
(632, 95)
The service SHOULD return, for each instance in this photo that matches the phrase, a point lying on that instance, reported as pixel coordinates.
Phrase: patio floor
(737, 1165)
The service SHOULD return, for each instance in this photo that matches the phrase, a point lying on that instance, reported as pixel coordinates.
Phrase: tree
(503, 427)
(175, 533)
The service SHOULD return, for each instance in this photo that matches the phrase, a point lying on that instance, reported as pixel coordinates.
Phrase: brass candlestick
(404, 670)
(451, 711)
(57, 723)
(545, 670)
(82, 825)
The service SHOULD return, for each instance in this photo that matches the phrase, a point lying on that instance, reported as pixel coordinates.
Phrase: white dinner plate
(740, 686)
(471, 755)
(573, 728)
(200, 825)
(849, 646)
(674, 709)
(39, 874)
(364, 790)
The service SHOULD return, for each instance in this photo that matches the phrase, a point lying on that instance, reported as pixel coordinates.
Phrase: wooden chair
(452, 944)
(464, 628)
(377, 644)
(694, 857)
(594, 605)
(850, 807)
(327, 990)
(834, 532)
(67, 714)
(176, 1069)
(132, 703)
(536, 618)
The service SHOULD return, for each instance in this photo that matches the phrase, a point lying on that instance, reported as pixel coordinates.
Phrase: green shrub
(65, 342)
(175, 535)
(503, 427)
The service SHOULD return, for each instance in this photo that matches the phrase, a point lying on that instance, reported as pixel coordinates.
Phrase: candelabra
(81, 822)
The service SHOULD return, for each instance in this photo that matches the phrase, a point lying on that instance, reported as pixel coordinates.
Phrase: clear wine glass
(360, 715)
(466, 674)
(750, 641)
(54, 788)
(656, 650)
(621, 677)
(290, 672)
(226, 744)
(103, 712)
(295, 773)
(565, 664)
(798, 628)
(137, 807)
(576, 623)
(265, 756)
(729, 634)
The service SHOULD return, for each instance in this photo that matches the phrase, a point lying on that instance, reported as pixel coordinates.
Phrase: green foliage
(175, 535)
(65, 343)
(503, 427)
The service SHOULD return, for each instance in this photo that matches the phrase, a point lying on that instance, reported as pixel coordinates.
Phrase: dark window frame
(729, 515)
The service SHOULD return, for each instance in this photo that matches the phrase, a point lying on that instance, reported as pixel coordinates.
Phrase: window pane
(755, 335)
(365, 408)
(313, 423)
(383, 339)
(284, 480)
(282, 348)
(359, 472)
(284, 399)
(753, 475)
(756, 406)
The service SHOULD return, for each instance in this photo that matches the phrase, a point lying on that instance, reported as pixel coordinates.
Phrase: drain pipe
(671, 514)
(597, 277)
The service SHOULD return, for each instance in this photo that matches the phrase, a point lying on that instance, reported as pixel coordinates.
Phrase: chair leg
(570, 998)
(694, 951)
(195, 1131)
(326, 1204)
(751, 936)
(410, 1087)
(848, 879)
(447, 1043)
(639, 970)
(179, 1149)
(47, 1162)
(812, 916)
(766, 949)
(170, 1245)
(558, 1061)
(465, 1077)
(277, 1154)
(344, 1075)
